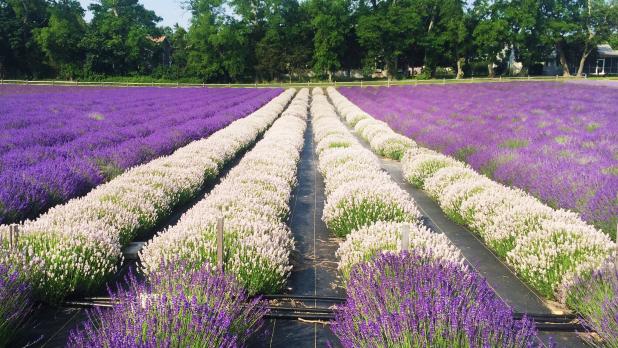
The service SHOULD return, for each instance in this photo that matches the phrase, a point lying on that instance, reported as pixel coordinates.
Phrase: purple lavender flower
(15, 303)
(595, 297)
(57, 143)
(175, 308)
(556, 141)
(407, 300)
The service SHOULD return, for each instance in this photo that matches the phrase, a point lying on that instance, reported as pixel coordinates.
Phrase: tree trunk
(330, 76)
(395, 67)
(460, 73)
(563, 61)
(582, 60)
(490, 70)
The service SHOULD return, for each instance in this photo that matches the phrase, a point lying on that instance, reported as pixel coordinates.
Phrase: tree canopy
(257, 40)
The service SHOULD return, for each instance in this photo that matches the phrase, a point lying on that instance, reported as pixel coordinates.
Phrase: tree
(598, 21)
(560, 27)
(287, 35)
(330, 21)
(490, 33)
(442, 33)
(21, 54)
(385, 30)
(180, 47)
(216, 42)
(119, 38)
(525, 27)
(60, 39)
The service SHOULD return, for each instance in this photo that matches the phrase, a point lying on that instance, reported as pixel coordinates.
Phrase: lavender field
(57, 143)
(556, 141)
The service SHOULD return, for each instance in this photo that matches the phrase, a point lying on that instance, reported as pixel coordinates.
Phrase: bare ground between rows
(50, 326)
(314, 270)
(512, 290)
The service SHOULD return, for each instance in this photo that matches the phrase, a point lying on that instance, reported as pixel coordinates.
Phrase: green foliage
(20, 55)
(61, 39)
(331, 24)
(119, 38)
(280, 40)
(490, 33)
(385, 30)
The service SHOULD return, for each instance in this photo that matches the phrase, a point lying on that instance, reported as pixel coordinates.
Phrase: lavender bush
(176, 308)
(406, 300)
(58, 143)
(76, 246)
(556, 141)
(15, 303)
(595, 297)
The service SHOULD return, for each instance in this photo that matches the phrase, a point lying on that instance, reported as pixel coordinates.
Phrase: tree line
(270, 40)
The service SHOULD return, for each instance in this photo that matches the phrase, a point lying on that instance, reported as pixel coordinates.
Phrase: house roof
(158, 39)
(606, 51)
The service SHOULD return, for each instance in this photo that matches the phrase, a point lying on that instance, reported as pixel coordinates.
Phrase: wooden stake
(13, 236)
(220, 244)
(405, 238)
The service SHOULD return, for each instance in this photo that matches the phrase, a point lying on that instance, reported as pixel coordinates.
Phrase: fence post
(444, 80)
(361, 83)
(220, 244)
(556, 77)
(388, 82)
(405, 238)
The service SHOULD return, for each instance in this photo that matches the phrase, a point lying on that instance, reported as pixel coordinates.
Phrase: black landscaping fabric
(315, 266)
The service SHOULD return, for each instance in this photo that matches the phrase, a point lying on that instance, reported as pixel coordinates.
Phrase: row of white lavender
(546, 247)
(76, 246)
(382, 139)
(363, 203)
(253, 201)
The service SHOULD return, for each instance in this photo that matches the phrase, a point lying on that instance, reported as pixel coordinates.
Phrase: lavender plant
(408, 300)
(176, 308)
(15, 302)
(595, 297)
(556, 141)
(58, 143)
(74, 247)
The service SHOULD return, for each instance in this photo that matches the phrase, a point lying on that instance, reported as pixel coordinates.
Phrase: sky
(170, 10)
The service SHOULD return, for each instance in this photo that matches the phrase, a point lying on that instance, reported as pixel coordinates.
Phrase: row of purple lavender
(56, 144)
(557, 141)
